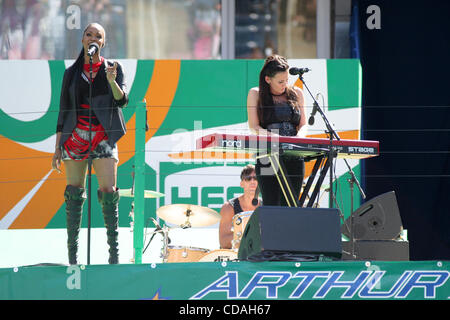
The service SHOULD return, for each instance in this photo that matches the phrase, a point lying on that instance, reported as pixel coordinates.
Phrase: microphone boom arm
(334, 134)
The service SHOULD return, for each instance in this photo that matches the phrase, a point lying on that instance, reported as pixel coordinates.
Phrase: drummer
(237, 205)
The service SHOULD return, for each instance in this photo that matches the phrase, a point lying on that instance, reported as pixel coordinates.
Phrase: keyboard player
(276, 108)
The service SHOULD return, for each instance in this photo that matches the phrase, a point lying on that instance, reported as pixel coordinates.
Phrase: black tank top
(281, 116)
(236, 205)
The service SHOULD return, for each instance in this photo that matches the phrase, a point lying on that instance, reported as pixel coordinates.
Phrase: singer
(109, 96)
(245, 202)
(276, 108)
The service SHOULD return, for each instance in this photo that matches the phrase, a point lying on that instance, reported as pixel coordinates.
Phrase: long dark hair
(77, 66)
(273, 65)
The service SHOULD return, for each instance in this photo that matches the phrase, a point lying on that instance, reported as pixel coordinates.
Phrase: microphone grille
(293, 71)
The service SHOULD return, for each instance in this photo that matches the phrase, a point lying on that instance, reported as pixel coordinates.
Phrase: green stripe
(42, 128)
(344, 80)
(137, 89)
(213, 93)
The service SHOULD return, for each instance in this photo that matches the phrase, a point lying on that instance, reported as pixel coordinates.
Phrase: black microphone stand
(332, 133)
(89, 163)
(255, 200)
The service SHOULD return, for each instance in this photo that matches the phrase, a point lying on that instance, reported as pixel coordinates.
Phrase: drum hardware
(165, 243)
(187, 224)
(221, 255)
(131, 215)
(235, 242)
(239, 223)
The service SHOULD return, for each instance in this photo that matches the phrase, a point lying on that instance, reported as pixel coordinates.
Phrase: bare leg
(76, 173)
(106, 171)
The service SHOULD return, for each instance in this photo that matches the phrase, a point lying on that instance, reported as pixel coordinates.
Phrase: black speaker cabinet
(381, 250)
(377, 219)
(283, 233)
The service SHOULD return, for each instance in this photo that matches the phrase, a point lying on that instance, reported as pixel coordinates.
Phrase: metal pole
(139, 165)
(89, 193)
(227, 29)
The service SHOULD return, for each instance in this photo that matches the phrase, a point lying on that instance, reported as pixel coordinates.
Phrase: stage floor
(33, 266)
(23, 247)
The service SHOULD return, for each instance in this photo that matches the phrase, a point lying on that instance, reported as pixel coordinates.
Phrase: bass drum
(184, 254)
(219, 256)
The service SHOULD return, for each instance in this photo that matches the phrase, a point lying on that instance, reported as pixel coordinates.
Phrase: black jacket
(107, 110)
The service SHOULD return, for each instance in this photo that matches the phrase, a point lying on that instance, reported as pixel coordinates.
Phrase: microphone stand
(255, 200)
(353, 178)
(89, 163)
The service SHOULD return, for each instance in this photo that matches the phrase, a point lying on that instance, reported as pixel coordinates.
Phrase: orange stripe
(159, 97)
(299, 84)
(160, 93)
(126, 144)
(44, 204)
(19, 175)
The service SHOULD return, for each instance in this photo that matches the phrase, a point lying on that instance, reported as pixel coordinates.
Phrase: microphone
(93, 48)
(255, 198)
(313, 112)
(298, 71)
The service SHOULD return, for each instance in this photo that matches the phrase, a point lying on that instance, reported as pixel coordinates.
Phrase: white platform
(23, 247)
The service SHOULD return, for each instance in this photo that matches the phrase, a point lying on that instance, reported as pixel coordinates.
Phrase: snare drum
(240, 220)
(219, 255)
(184, 254)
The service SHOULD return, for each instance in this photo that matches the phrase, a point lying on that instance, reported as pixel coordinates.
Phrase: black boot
(110, 207)
(74, 198)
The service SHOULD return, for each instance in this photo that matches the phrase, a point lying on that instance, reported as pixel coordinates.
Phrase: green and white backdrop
(185, 100)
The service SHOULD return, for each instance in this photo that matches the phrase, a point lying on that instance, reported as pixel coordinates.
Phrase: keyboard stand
(285, 183)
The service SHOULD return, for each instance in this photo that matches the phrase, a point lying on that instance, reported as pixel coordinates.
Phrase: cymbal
(188, 215)
(147, 193)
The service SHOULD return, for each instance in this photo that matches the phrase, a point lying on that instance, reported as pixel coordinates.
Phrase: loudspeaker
(381, 250)
(377, 219)
(286, 234)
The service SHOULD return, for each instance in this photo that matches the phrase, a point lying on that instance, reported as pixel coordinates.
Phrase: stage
(33, 267)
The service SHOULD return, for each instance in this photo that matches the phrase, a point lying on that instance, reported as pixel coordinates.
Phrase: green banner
(231, 281)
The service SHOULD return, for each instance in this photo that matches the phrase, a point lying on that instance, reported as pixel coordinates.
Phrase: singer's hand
(111, 73)
(56, 160)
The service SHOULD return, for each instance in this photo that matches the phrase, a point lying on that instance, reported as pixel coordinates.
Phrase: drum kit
(191, 216)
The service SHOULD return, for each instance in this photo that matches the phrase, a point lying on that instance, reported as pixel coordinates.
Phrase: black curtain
(406, 106)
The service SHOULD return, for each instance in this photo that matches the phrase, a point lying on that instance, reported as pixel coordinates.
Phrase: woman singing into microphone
(109, 96)
(274, 108)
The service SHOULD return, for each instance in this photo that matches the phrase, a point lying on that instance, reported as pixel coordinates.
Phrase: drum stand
(165, 241)
(165, 237)
(164, 230)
